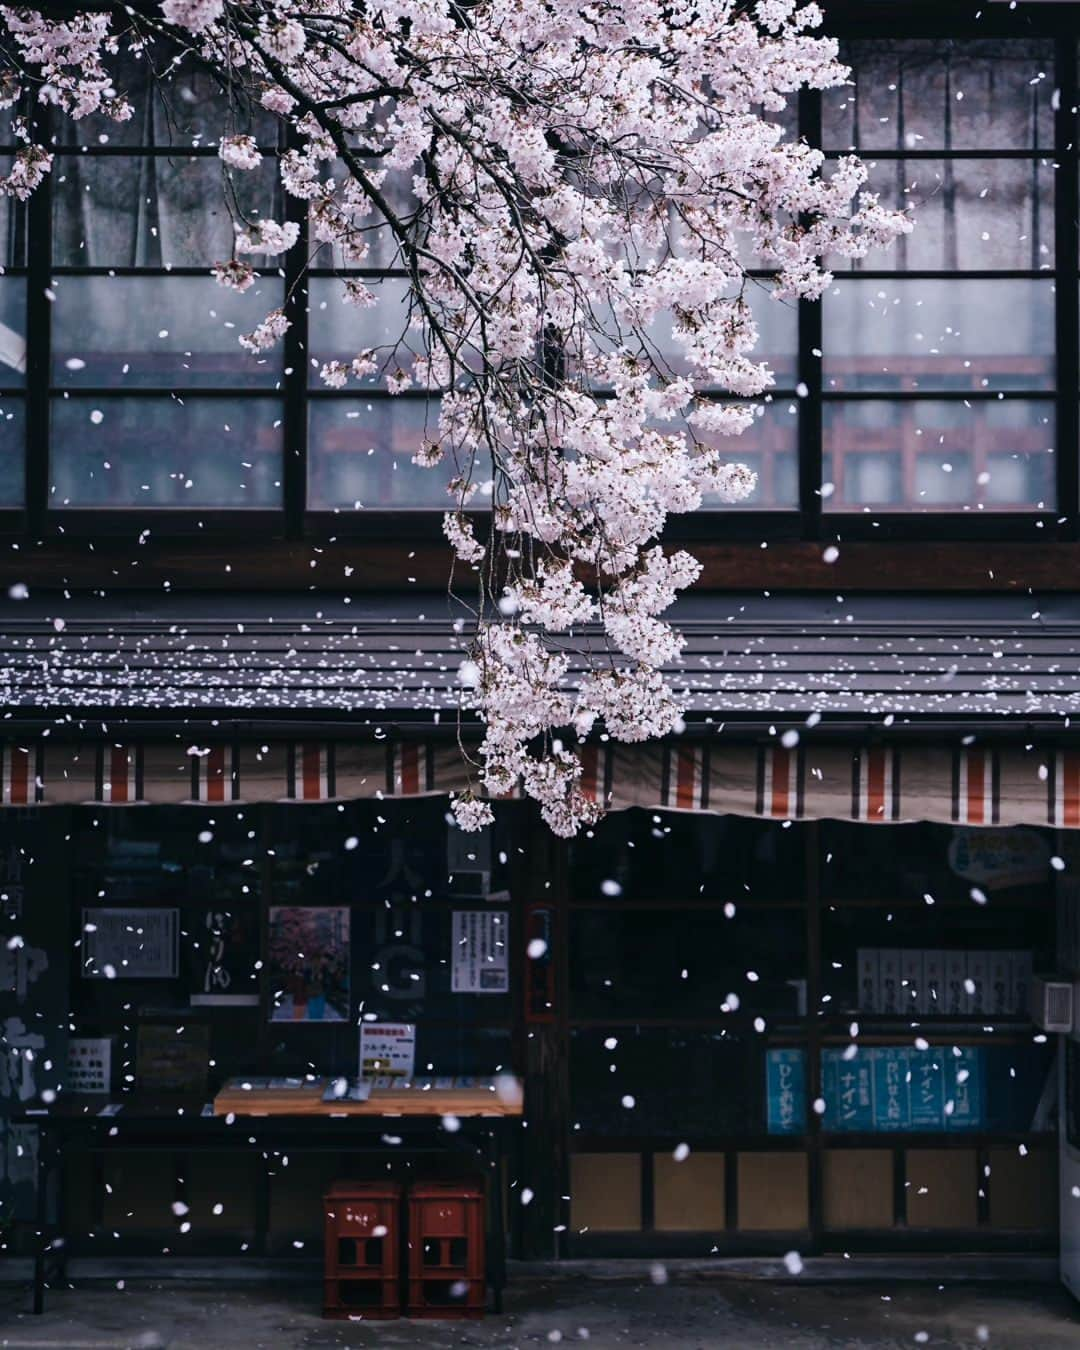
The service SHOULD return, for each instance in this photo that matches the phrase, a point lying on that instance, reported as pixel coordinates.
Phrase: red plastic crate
(363, 1240)
(446, 1250)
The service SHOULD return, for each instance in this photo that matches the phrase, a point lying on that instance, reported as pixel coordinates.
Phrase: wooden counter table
(475, 1119)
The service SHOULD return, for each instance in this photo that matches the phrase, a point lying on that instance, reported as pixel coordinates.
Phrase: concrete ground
(685, 1311)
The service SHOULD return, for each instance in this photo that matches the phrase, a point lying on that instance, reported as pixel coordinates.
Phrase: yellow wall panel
(1023, 1189)
(942, 1188)
(773, 1191)
(605, 1192)
(857, 1188)
(688, 1196)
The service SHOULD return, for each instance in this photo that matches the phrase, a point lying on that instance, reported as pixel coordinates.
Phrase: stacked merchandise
(946, 983)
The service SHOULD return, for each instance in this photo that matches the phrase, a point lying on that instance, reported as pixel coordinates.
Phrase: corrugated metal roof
(271, 656)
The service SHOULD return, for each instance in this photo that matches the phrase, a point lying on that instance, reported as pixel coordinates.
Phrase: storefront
(778, 998)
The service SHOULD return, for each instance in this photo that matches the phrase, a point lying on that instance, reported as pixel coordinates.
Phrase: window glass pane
(930, 335)
(650, 855)
(116, 211)
(396, 190)
(186, 107)
(12, 332)
(969, 214)
(631, 963)
(160, 331)
(716, 1077)
(145, 452)
(777, 324)
(932, 453)
(360, 454)
(12, 451)
(340, 330)
(12, 224)
(769, 446)
(930, 95)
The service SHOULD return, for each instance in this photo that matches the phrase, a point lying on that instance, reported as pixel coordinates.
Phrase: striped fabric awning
(1008, 784)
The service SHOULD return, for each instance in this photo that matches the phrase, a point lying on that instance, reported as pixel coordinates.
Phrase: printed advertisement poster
(223, 955)
(785, 1091)
(480, 959)
(309, 964)
(387, 1049)
(848, 1088)
(130, 944)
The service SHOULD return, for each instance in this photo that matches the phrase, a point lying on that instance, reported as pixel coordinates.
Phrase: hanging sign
(387, 1049)
(480, 962)
(999, 858)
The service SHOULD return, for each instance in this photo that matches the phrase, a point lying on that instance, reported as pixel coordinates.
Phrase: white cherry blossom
(568, 190)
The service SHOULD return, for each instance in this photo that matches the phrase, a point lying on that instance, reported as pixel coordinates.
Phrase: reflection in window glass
(115, 211)
(970, 214)
(631, 963)
(700, 1070)
(340, 330)
(12, 451)
(12, 224)
(679, 855)
(776, 320)
(161, 452)
(770, 447)
(360, 454)
(12, 332)
(930, 335)
(931, 95)
(184, 107)
(163, 332)
(926, 454)
(777, 345)
(382, 251)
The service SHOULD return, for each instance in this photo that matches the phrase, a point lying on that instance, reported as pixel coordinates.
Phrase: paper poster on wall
(387, 1049)
(785, 1091)
(130, 944)
(224, 954)
(89, 1061)
(848, 1089)
(308, 962)
(480, 959)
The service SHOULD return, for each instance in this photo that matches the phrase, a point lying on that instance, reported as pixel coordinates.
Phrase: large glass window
(961, 134)
(929, 381)
(154, 403)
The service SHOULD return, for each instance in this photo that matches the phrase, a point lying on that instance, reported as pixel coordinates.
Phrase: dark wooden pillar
(541, 907)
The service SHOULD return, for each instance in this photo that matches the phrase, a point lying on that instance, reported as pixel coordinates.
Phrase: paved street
(682, 1314)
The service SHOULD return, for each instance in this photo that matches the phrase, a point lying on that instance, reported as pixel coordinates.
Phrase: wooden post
(541, 906)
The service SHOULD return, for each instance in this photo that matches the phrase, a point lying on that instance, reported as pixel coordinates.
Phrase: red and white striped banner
(310, 771)
(409, 769)
(1009, 784)
(875, 784)
(118, 774)
(1063, 781)
(780, 783)
(214, 775)
(19, 774)
(684, 784)
(976, 787)
(595, 780)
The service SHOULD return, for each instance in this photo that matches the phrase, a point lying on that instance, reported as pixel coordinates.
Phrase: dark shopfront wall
(629, 1038)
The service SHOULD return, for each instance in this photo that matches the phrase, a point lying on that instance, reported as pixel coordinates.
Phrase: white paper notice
(387, 1049)
(130, 944)
(480, 957)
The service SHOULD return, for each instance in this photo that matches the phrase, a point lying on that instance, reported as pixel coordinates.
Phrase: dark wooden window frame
(805, 523)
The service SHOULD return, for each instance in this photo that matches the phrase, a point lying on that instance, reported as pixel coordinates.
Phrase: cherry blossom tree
(589, 183)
